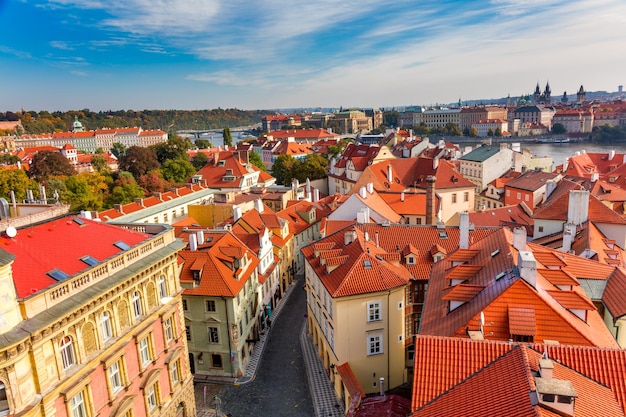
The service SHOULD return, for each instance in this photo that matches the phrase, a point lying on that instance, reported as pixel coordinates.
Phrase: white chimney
(389, 174)
(309, 196)
(595, 177)
(435, 163)
(519, 238)
(578, 207)
(370, 187)
(550, 187)
(366, 236)
(363, 192)
(363, 215)
(258, 205)
(316, 194)
(333, 161)
(464, 230)
(349, 237)
(200, 235)
(569, 232)
(308, 185)
(402, 196)
(193, 242)
(527, 267)
(611, 154)
(237, 212)
(565, 165)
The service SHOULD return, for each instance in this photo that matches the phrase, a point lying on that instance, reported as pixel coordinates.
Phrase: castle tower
(546, 94)
(580, 96)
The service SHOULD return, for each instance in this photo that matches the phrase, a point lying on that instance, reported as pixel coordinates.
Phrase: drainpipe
(230, 349)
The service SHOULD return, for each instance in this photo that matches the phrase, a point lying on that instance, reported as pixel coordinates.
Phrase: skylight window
(443, 235)
(367, 264)
(58, 275)
(79, 221)
(500, 276)
(122, 245)
(89, 260)
(495, 252)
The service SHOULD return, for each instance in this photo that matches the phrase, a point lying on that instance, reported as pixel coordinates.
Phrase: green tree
(125, 190)
(473, 132)
(118, 150)
(139, 161)
(203, 144)
(199, 160)
(228, 138)
(84, 191)
(100, 164)
(490, 132)
(284, 168)
(8, 159)
(558, 129)
(177, 170)
(498, 131)
(17, 181)
(257, 161)
(174, 148)
(312, 167)
(46, 164)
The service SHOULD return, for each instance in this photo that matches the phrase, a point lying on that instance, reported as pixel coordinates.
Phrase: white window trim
(376, 306)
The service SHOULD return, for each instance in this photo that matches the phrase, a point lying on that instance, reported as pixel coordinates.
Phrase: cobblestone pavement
(279, 387)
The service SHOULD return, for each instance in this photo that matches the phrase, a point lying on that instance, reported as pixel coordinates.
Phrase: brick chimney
(431, 217)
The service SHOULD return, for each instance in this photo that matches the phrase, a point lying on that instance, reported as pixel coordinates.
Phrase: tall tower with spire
(580, 95)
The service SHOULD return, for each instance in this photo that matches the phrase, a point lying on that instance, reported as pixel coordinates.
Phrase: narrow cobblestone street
(280, 386)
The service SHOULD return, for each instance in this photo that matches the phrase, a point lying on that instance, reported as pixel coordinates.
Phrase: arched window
(105, 326)
(162, 286)
(136, 300)
(67, 352)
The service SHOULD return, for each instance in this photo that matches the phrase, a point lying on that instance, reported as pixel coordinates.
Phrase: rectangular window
(519, 196)
(77, 405)
(373, 311)
(151, 398)
(454, 198)
(466, 196)
(216, 360)
(175, 372)
(526, 197)
(210, 305)
(144, 351)
(374, 344)
(115, 378)
(188, 333)
(185, 305)
(213, 335)
(168, 330)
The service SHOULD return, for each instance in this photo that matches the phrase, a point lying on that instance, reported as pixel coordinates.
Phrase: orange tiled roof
(454, 373)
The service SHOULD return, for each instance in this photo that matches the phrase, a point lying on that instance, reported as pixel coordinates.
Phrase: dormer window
(410, 260)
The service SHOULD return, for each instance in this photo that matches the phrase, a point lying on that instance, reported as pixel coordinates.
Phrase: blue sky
(266, 54)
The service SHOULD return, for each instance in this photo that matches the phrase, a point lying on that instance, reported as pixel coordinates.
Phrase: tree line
(48, 122)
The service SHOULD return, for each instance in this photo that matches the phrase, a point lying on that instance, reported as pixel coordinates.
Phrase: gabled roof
(531, 181)
(218, 278)
(495, 378)
(481, 154)
(498, 285)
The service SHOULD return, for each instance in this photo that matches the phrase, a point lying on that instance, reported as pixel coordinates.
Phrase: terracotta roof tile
(522, 321)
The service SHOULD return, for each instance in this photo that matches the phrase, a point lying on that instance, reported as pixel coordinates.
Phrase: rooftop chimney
(389, 174)
(435, 163)
(376, 237)
(527, 267)
(431, 217)
(308, 185)
(569, 232)
(519, 238)
(550, 187)
(349, 237)
(200, 235)
(402, 196)
(362, 192)
(333, 161)
(316, 194)
(258, 205)
(363, 215)
(236, 213)
(546, 367)
(464, 230)
(611, 154)
(370, 187)
(578, 207)
(193, 242)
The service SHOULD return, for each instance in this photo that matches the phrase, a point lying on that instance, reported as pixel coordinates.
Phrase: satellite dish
(11, 231)
(482, 319)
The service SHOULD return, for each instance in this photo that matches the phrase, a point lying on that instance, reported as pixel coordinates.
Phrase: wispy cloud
(61, 45)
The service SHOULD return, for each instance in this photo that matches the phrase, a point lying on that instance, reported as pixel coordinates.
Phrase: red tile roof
(494, 379)
(60, 244)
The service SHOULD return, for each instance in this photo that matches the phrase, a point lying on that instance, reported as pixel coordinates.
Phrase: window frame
(68, 353)
(210, 306)
(78, 409)
(213, 333)
(162, 286)
(117, 376)
(143, 347)
(375, 344)
(374, 311)
(106, 326)
(136, 303)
